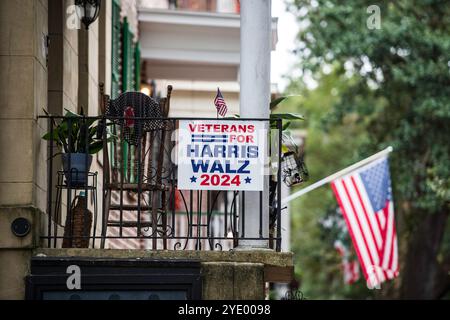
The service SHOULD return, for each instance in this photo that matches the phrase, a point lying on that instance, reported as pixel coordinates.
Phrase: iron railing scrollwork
(140, 204)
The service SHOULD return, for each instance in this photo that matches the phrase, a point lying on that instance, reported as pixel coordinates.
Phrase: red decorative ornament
(128, 114)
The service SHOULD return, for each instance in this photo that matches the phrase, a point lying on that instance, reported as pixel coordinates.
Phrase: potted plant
(70, 136)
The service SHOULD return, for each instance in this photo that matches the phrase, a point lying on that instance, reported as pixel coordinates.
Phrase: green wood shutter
(116, 66)
(128, 58)
(116, 54)
(137, 68)
(130, 82)
(126, 78)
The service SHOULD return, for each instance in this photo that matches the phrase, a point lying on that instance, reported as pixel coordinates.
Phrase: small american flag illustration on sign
(220, 104)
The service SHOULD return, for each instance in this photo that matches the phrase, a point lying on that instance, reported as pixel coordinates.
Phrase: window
(116, 55)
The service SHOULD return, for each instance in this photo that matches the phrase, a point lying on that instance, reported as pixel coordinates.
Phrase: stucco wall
(23, 94)
(46, 63)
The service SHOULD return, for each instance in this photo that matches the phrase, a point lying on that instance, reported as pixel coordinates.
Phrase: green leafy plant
(70, 134)
(283, 116)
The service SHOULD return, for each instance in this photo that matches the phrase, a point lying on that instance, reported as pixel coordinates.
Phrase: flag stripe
(365, 226)
(395, 256)
(363, 199)
(382, 219)
(366, 238)
(362, 217)
(378, 216)
(354, 232)
(220, 104)
(389, 235)
(391, 253)
(393, 261)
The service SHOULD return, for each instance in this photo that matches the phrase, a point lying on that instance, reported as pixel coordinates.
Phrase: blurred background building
(194, 45)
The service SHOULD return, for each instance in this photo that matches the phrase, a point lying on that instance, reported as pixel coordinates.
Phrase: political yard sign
(221, 155)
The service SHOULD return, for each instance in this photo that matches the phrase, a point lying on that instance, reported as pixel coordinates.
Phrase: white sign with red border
(221, 155)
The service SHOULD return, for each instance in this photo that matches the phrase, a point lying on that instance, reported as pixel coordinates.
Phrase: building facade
(195, 46)
(50, 63)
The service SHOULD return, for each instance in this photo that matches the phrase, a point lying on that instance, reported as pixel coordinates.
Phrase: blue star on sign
(193, 179)
(248, 180)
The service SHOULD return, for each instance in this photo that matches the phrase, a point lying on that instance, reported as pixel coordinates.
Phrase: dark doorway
(114, 279)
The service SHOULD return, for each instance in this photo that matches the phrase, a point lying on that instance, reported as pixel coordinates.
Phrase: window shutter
(116, 55)
(116, 67)
(128, 58)
(125, 77)
(130, 82)
(137, 68)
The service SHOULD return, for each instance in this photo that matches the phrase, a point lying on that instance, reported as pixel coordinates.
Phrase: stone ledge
(272, 258)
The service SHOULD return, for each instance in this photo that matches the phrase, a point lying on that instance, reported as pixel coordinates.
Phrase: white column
(254, 103)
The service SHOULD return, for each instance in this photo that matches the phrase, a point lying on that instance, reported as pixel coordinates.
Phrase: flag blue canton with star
(377, 182)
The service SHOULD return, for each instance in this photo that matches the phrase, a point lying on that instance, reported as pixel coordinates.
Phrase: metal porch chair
(136, 166)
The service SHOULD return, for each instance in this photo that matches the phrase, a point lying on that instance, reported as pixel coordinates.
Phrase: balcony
(129, 197)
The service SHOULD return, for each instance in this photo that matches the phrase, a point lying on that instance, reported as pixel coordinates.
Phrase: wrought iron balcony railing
(124, 193)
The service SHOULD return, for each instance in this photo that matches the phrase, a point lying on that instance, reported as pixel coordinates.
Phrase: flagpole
(337, 175)
(217, 110)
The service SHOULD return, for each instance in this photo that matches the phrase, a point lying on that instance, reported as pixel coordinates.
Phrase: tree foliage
(397, 93)
(328, 149)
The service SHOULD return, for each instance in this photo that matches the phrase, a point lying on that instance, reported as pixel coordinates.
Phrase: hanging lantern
(293, 169)
(88, 11)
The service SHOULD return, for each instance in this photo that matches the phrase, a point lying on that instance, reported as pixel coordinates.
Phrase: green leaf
(71, 114)
(49, 136)
(286, 125)
(286, 116)
(234, 116)
(278, 100)
(95, 147)
(77, 130)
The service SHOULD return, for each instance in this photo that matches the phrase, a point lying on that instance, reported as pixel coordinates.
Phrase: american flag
(349, 267)
(365, 198)
(221, 106)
